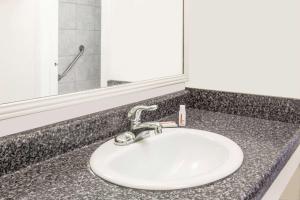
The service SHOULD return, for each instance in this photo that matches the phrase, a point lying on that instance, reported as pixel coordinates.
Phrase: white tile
(87, 85)
(86, 2)
(65, 88)
(67, 16)
(68, 1)
(67, 43)
(98, 3)
(97, 42)
(88, 39)
(88, 68)
(85, 17)
(97, 19)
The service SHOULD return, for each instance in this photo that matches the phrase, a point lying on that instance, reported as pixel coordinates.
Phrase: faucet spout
(135, 113)
(149, 125)
(138, 130)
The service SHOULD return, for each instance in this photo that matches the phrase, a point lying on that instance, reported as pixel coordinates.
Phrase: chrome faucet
(138, 130)
(135, 117)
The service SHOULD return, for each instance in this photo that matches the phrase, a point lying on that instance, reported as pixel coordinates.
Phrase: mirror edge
(27, 107)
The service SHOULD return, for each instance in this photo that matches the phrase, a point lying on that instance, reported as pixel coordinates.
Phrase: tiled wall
(79, 23)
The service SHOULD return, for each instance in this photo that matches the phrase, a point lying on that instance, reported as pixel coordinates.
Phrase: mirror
(57, 47)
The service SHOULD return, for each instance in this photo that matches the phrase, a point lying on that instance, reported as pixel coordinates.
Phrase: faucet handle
(135, 113)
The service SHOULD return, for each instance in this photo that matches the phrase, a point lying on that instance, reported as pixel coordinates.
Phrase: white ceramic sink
(178, 158)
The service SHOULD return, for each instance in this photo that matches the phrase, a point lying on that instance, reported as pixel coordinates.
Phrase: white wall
(142, 39)
(244, 46)
(27, 50)
(292, 191)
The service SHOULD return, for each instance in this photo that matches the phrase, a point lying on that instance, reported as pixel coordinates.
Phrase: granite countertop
(267, 145)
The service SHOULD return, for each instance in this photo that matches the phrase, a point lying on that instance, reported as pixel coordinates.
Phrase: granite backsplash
(26, 148)
(256, 106)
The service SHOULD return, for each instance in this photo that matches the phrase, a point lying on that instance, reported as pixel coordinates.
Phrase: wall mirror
(58, 47)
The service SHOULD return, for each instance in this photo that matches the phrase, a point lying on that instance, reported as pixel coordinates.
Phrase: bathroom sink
(177, 158)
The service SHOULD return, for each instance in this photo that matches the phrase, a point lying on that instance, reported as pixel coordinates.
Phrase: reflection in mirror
(79, 45)
(55, 47)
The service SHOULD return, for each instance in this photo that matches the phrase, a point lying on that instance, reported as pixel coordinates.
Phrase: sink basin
(177, 158)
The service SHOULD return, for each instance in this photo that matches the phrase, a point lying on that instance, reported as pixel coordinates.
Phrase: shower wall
(79, 24)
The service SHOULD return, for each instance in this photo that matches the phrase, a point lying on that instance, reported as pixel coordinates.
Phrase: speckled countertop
(266, 144)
